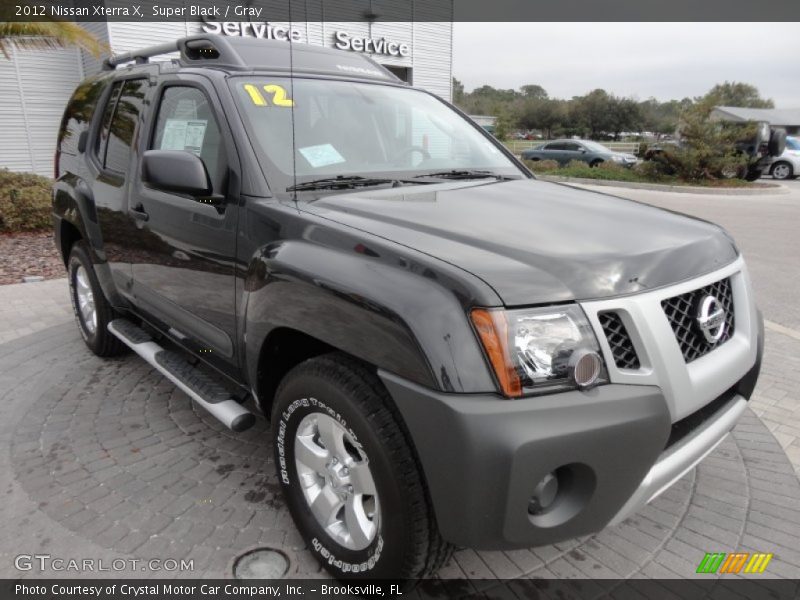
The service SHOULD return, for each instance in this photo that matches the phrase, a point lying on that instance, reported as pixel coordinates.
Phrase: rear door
(111, 157)
(554, 151)
(572, 151)
(183, 270)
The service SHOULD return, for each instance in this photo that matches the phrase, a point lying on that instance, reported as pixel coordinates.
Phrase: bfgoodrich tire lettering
(406, 544)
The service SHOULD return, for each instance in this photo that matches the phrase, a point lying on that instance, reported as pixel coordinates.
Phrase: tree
(592, 112)
(533, 92)
(503, 124)
(734, 93)
(458, 92)
(543, 114)
(48, 35)
(624, 115)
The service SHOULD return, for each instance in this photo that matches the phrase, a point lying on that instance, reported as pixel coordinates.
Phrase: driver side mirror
(175, 171)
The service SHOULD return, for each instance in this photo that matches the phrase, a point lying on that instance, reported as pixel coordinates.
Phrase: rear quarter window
(78, 115)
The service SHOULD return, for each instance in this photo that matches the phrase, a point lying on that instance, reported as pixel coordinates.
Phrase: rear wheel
(782, 170)
(92, 311)
(350, 476)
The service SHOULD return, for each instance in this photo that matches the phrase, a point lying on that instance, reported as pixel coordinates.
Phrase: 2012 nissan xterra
(451, 352)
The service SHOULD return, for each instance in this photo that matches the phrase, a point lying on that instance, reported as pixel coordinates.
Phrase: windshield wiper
(340, 182)
(464, 174)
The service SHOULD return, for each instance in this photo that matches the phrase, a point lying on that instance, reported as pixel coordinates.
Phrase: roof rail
(193, 49)
(140, 57)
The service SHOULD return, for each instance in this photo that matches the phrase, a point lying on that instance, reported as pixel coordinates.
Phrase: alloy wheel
(84, 301)
(782, 171)
(336, 480)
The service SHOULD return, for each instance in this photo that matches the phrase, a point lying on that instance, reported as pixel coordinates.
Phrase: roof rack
(192, 49)
(247, 54)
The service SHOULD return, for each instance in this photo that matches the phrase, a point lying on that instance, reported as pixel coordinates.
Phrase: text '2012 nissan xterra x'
(450, 352)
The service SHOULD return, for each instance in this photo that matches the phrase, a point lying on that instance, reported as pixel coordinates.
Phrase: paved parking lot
(107, 459)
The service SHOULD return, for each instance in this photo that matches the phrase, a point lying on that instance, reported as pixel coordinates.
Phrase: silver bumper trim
(682, 457)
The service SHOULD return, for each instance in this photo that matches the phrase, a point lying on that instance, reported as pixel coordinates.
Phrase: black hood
(536, 242)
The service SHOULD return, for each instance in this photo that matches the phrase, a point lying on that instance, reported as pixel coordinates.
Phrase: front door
(183, 269)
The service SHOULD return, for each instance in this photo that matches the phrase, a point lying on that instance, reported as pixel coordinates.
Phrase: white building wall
(35, 87)
(99, 30)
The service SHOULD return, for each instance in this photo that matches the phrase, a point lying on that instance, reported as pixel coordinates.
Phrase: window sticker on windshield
(184, 134)
(277, 95)
(322, 155)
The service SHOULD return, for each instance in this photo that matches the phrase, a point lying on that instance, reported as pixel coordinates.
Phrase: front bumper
(614, 448)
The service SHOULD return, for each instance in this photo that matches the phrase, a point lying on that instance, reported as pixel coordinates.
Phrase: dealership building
(36, 84)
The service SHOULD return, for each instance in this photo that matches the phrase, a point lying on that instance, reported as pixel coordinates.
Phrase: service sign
(342, 40)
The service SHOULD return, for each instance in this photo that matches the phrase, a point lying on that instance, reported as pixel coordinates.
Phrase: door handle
(139, 213)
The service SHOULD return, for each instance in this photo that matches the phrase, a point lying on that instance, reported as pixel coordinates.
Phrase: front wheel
(350, 476)
(782, 170)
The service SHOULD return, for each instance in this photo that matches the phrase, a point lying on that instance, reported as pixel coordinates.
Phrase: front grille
(619, 341)
(681, 312)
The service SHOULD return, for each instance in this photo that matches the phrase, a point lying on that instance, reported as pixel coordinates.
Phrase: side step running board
(194, 382)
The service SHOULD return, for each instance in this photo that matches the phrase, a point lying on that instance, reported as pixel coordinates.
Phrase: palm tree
(47, 35)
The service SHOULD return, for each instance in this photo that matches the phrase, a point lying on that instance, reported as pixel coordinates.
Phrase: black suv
(450, 352)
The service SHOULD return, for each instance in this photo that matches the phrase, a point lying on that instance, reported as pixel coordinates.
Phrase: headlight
(540, 350)
(618, 158)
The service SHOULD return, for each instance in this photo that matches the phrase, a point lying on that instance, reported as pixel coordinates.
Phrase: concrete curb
(766, 189)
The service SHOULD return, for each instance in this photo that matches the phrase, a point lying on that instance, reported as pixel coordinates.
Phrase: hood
(536, 242)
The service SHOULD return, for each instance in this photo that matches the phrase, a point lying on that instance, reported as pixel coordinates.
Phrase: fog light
(543, 495)
(584, 367)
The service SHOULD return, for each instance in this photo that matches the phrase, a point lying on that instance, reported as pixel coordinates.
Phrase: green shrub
(24, 201)
(577, 164)
(612, 167)
(538, 166)
(650, 170)
(708, 151)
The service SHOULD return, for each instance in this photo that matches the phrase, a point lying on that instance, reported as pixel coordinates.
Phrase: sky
(662, 60)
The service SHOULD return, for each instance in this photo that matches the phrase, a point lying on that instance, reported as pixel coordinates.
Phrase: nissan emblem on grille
(711, 319)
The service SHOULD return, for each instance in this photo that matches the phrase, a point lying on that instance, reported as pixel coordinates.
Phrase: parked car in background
(787, 165)
(563, 151)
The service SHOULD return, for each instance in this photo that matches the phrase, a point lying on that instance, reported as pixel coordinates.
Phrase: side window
(186, 122)
(123, 125)
(77, 115)
(102, 139)
(555, 146)
(572, 147)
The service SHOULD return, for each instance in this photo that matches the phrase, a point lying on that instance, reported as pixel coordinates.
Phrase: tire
(400, 539)
(777, 142)
(596, 163)
(782, 170)
(94, 331)
(753, 174)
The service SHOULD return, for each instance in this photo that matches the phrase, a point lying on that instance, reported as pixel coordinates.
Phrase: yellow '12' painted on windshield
(278, 94)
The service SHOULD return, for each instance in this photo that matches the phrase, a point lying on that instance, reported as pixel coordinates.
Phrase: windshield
(594, 146)
(793, 143)
(342, 128)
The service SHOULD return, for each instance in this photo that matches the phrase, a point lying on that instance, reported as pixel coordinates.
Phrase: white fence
(517, 146)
